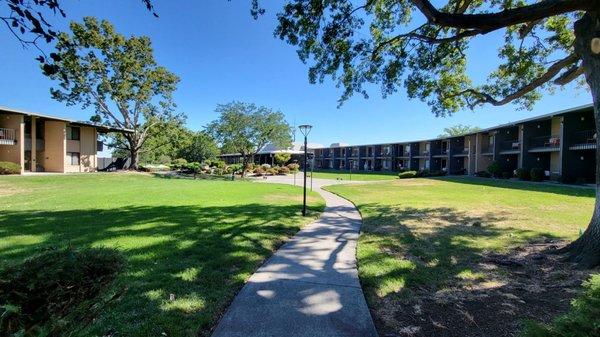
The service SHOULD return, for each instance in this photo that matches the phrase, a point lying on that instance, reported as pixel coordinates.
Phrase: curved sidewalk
(310, 286)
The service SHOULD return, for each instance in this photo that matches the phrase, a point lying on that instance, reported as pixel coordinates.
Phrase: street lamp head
(305, 129)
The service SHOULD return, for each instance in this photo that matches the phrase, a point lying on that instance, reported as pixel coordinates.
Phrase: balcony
(544, 144)
(461, 152)
(584, 140)
(510, 147)
(8, 136)
(487, 149)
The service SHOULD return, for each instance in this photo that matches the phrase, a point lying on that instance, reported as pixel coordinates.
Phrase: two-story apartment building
(562, 143)
(41, 143)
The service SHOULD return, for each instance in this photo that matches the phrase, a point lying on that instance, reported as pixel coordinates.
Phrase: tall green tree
(200, 148)
(422, 46)
(119, 78)
(245, 128)
(459, 130)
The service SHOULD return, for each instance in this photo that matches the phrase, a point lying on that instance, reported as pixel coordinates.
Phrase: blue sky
(221, 54)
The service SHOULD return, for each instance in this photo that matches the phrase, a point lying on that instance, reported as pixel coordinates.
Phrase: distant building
(266, 155)
(41, 143)
(563, 144)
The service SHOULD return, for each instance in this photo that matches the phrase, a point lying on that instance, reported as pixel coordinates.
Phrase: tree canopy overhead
(413, 44)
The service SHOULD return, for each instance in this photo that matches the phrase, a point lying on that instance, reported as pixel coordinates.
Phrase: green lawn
(418, 234)
(199, 240)
(360, 176)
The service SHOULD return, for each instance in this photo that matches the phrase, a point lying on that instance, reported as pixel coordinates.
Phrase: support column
(33, 163)
(21, 144)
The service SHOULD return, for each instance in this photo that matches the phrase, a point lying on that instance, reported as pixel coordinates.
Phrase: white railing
(7, 136)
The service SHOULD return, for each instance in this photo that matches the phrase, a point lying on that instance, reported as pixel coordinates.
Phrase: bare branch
(553, 70)
(505, 18)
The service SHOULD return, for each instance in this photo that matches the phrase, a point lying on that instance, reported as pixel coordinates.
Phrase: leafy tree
(119, 77)
(161, 147)
(422, 46)
(459, 130)
(246, 128)
(282, 158)
(200, 148)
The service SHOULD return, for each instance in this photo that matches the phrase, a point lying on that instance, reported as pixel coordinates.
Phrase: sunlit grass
(190, 244)
(354, 176)
(431, 233)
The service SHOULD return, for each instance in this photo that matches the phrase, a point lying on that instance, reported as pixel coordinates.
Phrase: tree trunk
(134, 153)
(586, 250)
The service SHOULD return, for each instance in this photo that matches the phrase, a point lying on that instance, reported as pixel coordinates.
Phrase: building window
(73, 158)
(73, 133)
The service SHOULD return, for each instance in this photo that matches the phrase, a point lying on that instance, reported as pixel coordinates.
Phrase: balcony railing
(544, 142)
(487, 148)
(510, 145)
(584, 139)
(7, 136)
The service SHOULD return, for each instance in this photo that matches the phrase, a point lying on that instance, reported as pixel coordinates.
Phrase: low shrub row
(7, 167)
(420, 173)
(266, 169)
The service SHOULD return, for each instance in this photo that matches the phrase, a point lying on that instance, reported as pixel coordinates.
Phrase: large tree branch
(505, 18)
(553, 70)
(569, 75)
(106, 110)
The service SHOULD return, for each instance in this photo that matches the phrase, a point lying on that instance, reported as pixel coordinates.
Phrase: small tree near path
(422, 46)
(246, 128)
(119, 77)
(282, 158)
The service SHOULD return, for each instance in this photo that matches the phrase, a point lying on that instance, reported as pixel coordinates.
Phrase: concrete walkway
(310, 286)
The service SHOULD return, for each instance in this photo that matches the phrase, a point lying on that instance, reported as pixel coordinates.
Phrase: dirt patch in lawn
(526, 283)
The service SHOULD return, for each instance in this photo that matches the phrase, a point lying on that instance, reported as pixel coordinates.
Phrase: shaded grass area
(358, 176)
(189, 244)
(424, 238)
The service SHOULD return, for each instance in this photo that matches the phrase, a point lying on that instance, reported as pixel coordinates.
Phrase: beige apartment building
(41, 143)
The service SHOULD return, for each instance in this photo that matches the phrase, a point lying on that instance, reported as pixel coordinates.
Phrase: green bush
(272, 171)
(294, 168)
(583, 320)
(178, 164)
(218, 163)
(523, 174)
(537, 174)
(437, 173)
(407, 174)
(483, 174)
(259, 171)
(38, 296)
(235, 168)
(283, 170)
(423, 173)
(494, 169)
(7, 167)
(506, 175)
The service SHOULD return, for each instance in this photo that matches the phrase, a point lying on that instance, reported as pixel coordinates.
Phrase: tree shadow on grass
(440, 272)
(201, 255)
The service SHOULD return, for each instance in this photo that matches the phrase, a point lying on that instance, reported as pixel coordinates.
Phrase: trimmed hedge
(407, 174)
(523, 174)
(7, 167)
(494, 169)
(537, 174)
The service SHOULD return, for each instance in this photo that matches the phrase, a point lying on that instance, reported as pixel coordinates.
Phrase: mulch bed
(530, 284)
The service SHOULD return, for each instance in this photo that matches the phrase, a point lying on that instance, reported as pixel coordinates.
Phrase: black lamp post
(305, 129)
